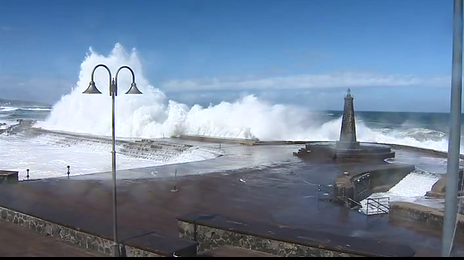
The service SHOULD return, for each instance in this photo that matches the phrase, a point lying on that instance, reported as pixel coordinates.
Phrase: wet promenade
(256, 183)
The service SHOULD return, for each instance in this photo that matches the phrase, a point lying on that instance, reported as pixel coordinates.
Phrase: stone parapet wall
(66, 234)
(8, 177)
(415, 212)
(359, 184)
(210, 238)
(215, 231)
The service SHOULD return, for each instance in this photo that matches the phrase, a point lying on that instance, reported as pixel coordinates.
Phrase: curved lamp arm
(133, 88)
(92, 89)
(125, 67)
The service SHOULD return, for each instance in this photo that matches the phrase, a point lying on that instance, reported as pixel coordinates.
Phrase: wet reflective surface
(257, 183)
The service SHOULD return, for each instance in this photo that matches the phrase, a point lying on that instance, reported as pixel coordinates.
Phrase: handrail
(355, 202)
(378, 205)
(381, 198)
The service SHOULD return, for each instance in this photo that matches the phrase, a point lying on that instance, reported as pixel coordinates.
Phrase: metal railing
(348, 200)
(378, 206)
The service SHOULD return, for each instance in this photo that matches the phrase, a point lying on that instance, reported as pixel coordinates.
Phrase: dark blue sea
(428, 130)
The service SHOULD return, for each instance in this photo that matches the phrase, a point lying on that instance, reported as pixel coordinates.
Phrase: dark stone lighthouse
(362, 166)
(348, 129)
(347, 147)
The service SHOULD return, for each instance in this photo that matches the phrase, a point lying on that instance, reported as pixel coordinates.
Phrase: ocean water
(154, 115)
(426, 130)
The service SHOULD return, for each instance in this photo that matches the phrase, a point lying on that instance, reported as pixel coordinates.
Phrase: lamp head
(133, 89)
(92, 89)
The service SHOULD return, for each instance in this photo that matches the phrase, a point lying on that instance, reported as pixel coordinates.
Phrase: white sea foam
(7, 109)
(154, 115)
(411, 188)
(47, 156)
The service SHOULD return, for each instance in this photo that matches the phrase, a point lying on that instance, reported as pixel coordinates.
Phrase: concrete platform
(256, 183)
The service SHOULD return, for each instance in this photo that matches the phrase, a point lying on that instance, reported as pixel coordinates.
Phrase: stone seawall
(415, 212)
(214, 231)
(210, 238)
(360, 183)
(66, 234)
(283, 142)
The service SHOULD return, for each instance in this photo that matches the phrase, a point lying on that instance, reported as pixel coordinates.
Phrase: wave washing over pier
(48, 154)
(153, 116)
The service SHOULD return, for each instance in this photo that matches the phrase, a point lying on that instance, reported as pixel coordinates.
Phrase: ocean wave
(424, 134)
(154, 115)
(8, 109)
(419, 134)
(10, 114)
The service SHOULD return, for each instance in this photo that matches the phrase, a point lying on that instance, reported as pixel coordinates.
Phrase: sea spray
(154, 115)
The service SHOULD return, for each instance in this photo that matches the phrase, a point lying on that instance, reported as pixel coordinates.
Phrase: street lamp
(454, 140)
(113, 89)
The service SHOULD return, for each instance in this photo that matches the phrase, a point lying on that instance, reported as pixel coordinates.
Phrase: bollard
(27, 174)
(174, 189)
(68, 170)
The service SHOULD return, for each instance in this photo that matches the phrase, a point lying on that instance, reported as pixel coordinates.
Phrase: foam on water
(47, 156)
(411, 188)
(9, 108)
(154, 115)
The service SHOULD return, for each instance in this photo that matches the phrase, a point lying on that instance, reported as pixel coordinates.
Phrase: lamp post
(454, 142)
(113, 91)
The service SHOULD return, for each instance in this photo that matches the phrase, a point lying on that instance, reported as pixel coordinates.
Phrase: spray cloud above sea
(153, 115)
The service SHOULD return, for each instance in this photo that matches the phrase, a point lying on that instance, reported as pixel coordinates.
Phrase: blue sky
(396, 55)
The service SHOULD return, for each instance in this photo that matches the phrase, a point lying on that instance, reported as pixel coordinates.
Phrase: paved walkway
(282, 194)
(17, 241)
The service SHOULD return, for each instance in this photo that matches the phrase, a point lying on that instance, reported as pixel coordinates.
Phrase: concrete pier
(288, 192)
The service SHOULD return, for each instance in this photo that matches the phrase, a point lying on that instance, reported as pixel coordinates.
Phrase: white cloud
(304, 82)
(321, 91)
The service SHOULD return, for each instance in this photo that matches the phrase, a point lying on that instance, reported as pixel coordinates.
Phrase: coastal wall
(430, 216)
(358, 185)
(209, 139)
(283, 142)
(214, 231)
(383, 179)
(439, 188)
(8, 177)
(250, 141)
(80, 238)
